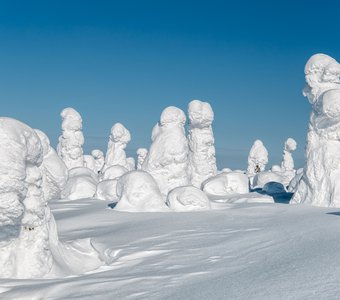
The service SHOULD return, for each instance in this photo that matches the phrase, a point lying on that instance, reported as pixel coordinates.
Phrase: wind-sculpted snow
(320, 183)
(201, 142)
(70, 147)
(115, 155)
(82, 183)
(187, 198)
(257, 159)
(167, 160)
(54, 170)
(137, 191)
(225, 184)
(260, 179)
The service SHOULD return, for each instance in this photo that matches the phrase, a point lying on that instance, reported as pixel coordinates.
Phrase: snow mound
(217, 202)
(264, 177)
(82, 183)
(107, 190)
(187, 198)
(114, 172)
(138, 192)
(226, 183)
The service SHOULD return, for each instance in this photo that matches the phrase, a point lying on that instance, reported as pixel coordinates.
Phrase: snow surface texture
(257, 159)
(138, 192)
(82, 183)
(167, 160)
(320, 184)
(99, 159)
(226, 183)
(202, 161)
(70, 147)
(115, 155)
(141, 155)
(54, 170)
(187, 198)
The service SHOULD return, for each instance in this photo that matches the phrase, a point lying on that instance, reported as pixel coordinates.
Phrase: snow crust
(202, 161)
(115, 154)
(187, 198)
(319, 184)
(137, 191)
(167, 159)
(70, 147)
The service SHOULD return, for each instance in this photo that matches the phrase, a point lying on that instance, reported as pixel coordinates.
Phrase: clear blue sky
(125, 61)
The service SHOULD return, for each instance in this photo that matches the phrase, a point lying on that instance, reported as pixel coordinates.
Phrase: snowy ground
(247, 251)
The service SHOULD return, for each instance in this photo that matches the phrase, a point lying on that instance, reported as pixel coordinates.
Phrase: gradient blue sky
(125, 61)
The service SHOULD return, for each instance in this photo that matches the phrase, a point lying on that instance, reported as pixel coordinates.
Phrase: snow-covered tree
(257, 158)
(202, 161)
(141, 155)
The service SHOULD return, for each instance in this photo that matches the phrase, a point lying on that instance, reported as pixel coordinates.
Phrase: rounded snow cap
(258, 143)
(71, 119)
(45, 141)
(120, 134)
(96, 153)
(200, 113)
(290, 144)
(317, 63)
(172, 115)
(142, 151)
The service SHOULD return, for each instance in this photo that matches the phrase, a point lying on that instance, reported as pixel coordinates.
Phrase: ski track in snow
(249, 251)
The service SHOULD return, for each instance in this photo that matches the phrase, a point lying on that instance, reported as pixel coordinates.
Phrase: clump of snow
(90, 163)
(260, 179)
(138, 192)
(226, 184)
(82, 183)
(202, 161)
(187, 198)
(141, 155)
(106, 189)
(115, 154)
(54, 170)
(257, 158)
(99, 159)
(167, 160)
(131, 164)
(287, 159)
(114, 172)
(320, 183)
(72, 139)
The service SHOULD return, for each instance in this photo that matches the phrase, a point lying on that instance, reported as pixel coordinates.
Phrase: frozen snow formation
(99, 159)
(131, 163)
(70, 147)
(260, 179)
(115, 155)
(226, 184)
(187, 198)
(167, 160)
(54, 170)
(106, 189)
(137, 191)
(320, 185)
(82, 183)
(202, 161)
(141, 155)
(292, 187)
(257, 158)
(90, 163)
(287, 159)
